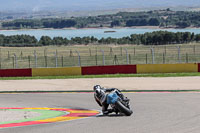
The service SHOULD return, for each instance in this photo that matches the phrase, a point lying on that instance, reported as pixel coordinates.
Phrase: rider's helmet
(96, 87)
(99, 92)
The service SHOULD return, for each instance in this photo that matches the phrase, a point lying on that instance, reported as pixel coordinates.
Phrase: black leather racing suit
(100, 96)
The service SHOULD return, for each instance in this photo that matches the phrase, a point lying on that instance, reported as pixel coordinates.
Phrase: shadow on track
(112, 115)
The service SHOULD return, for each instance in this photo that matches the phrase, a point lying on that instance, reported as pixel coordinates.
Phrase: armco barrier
(15, 73)
(56, 71)
(121, 69)
(167, 68)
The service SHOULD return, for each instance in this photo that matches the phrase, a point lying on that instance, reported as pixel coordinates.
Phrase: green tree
(154, 22)
(115, 23)
(45, 40)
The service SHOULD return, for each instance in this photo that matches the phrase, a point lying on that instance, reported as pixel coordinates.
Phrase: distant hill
(88, 5)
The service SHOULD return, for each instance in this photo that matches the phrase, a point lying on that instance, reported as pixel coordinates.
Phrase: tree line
(151, 38)
(162, 18)
(34, 24)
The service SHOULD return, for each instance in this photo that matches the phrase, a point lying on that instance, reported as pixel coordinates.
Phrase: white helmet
(96, 87)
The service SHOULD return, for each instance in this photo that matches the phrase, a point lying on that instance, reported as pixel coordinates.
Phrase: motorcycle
(119, 103)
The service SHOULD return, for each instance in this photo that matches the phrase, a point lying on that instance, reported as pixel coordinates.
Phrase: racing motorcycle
(119, 103)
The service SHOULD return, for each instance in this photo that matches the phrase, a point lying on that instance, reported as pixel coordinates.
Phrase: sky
(88, 5)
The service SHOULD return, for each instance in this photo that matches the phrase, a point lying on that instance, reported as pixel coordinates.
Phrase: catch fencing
(69, 56)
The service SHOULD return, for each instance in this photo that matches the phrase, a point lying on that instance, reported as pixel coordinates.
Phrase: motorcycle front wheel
(123, 109)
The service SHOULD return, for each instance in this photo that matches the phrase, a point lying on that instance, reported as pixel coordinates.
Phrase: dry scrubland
(67, 56)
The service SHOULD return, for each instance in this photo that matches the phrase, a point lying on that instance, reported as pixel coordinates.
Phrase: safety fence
(96, 70)
(66, 56)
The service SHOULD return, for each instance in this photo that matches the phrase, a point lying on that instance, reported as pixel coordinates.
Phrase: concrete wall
(119, 69)
(167, 68)
(56, 71)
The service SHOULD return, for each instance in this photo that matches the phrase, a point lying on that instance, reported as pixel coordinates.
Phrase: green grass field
(92, 55)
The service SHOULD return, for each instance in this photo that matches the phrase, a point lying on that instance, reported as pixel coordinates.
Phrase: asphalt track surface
(153, 113)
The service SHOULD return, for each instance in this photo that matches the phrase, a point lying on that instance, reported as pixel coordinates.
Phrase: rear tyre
(123, 109)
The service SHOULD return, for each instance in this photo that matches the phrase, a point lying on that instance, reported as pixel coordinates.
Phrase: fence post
(179, 56)
(134, 51)
(127, 58)
(111, 51)
(163, 58)
(15, 57)
(13, 62)
(71, 53)
(62, 61)
(103, 57)
(90, 52)
(186, 58)
(8, 55)
(35, 56)
(96, 59)
(152, 53)
(194, 49)
(21, 55)
(121, 50)
(79, 58)
(45, 51)
(45, 59)
(29, 61)
(146, 59)
(56, 59)
(115, 61)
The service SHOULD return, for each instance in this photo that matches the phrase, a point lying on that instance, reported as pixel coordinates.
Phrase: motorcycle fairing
(112, 98)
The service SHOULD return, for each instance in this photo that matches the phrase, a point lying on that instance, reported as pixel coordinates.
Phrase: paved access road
(153, 113)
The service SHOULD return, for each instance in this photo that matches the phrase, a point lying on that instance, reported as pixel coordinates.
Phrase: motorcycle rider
(100, 95)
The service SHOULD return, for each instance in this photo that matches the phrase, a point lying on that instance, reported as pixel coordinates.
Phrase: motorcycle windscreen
(112, 98)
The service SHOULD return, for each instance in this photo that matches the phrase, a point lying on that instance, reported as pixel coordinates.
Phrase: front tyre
(123, 108)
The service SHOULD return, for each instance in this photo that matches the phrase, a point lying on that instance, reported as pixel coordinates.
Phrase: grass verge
(104, 76)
